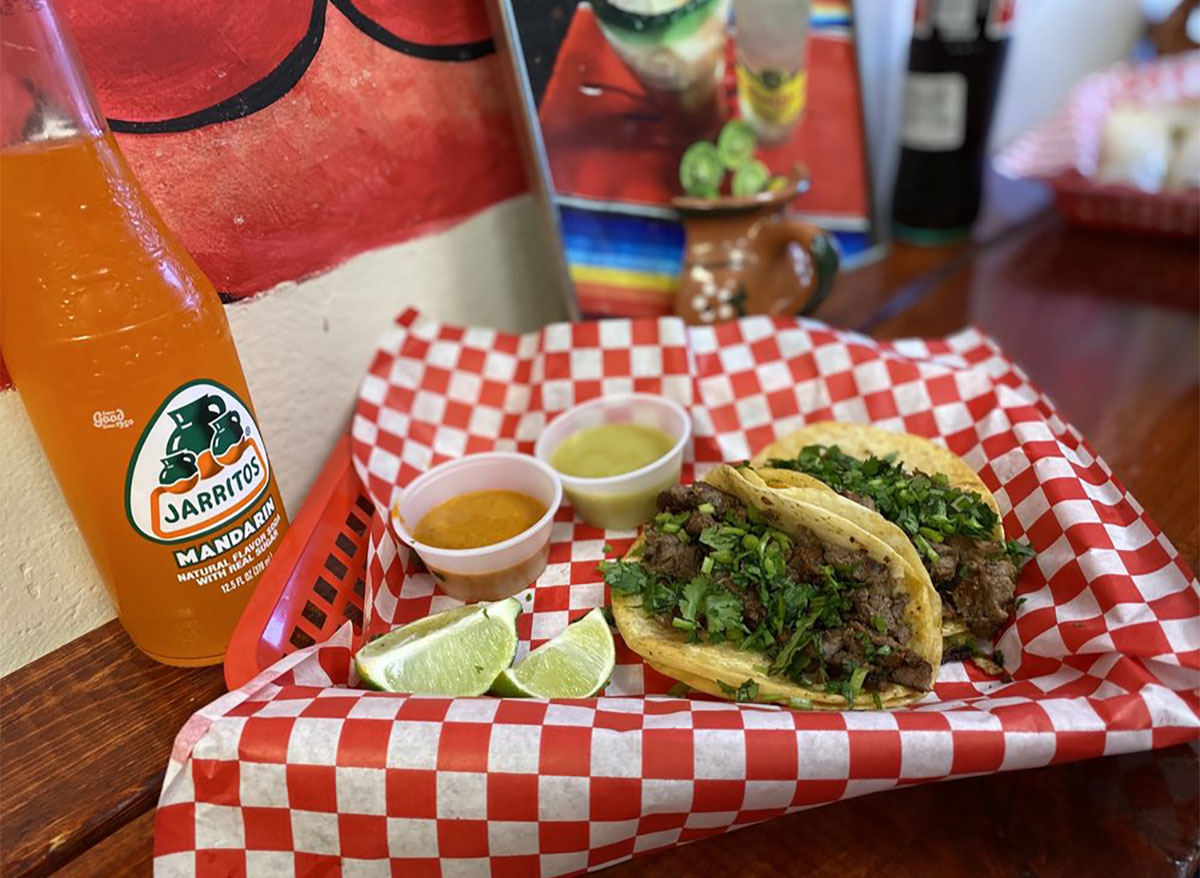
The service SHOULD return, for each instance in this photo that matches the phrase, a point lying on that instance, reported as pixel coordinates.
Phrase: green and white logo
(199, 464)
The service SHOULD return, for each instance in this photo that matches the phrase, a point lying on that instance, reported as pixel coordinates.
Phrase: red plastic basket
(315, 582)
(1087, 203)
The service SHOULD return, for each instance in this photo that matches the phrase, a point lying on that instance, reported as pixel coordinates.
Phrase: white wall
(304, 347)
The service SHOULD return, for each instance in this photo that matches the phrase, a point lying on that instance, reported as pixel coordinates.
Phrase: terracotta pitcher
(743, 256)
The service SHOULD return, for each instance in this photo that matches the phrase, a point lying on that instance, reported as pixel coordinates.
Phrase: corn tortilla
(706, 666)
(862, 441)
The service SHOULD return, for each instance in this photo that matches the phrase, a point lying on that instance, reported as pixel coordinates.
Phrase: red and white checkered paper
(1071, 139)
(296, 773)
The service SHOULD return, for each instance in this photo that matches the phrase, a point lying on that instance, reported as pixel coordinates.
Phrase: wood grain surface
(127, 853)
(1128, 816)
(1106, 324)
(85, 733)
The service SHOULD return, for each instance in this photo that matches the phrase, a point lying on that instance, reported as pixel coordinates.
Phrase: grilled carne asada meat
(981, 590)
(823, 614)
(951, 528)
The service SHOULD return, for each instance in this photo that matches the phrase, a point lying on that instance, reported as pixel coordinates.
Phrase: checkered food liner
(296, 773)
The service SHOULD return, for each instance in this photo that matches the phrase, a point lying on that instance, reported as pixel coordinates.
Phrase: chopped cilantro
(799, 637)
(671, 522)
(722, 538)
(679, 690)
(607, 549)
(691, 604)
(1018, 552)
(723, 613)
(659, 597)
(849, 687)
(748, 691)
(624, 577)
(684, 625)
(760, 639)
(880, 624)
(925, 507)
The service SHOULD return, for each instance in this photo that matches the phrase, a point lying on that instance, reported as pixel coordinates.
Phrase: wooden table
(1105, 323)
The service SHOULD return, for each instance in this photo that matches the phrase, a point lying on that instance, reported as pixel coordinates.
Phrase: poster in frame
(604, 144)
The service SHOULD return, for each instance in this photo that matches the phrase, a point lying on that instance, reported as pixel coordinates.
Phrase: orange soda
(122, 355)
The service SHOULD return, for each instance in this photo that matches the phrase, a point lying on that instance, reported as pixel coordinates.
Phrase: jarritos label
(199, 465)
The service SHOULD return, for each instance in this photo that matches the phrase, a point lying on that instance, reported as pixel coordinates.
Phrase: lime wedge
(701, 171)
(736, 144)
(456, 652)
(575, 664)
(750, 179)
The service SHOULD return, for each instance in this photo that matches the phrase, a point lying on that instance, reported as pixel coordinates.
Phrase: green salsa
(610, 450)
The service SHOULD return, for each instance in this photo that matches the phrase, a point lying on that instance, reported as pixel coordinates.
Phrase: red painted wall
(280, 137)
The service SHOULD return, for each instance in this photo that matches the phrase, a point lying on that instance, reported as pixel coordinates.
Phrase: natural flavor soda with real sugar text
(122, 355)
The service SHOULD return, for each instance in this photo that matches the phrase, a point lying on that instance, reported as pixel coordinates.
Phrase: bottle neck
(44, 93)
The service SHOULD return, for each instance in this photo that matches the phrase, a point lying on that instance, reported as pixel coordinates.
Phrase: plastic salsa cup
(488, 573)
(624, 501)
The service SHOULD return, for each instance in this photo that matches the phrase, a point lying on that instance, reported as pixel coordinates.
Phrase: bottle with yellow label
(772, 81)
(120, 350)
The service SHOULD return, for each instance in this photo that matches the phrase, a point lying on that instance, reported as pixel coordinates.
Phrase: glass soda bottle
(954, 68)
(772, 81)
(119, 348)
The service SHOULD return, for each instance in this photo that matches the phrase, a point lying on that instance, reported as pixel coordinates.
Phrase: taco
(743, 592)
(921, 499)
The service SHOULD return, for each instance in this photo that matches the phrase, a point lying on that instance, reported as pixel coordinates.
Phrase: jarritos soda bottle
(120, 350)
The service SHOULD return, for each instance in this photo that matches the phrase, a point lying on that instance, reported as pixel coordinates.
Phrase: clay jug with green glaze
(743, 255)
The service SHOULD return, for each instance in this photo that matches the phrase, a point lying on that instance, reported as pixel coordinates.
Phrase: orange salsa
(478, 518)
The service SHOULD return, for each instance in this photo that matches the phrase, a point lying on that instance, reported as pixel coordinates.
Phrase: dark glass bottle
(954, 67)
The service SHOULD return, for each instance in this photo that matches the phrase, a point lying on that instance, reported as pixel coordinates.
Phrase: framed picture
(613, 93)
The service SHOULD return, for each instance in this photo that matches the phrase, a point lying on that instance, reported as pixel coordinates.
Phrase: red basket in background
(1065, 150)
(1086, 203)
(315, 582)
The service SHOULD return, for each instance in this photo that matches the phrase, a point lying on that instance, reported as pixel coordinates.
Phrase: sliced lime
(575, 664)
(750, 179)
(736, 144)
(700, 170)
(456, 652)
